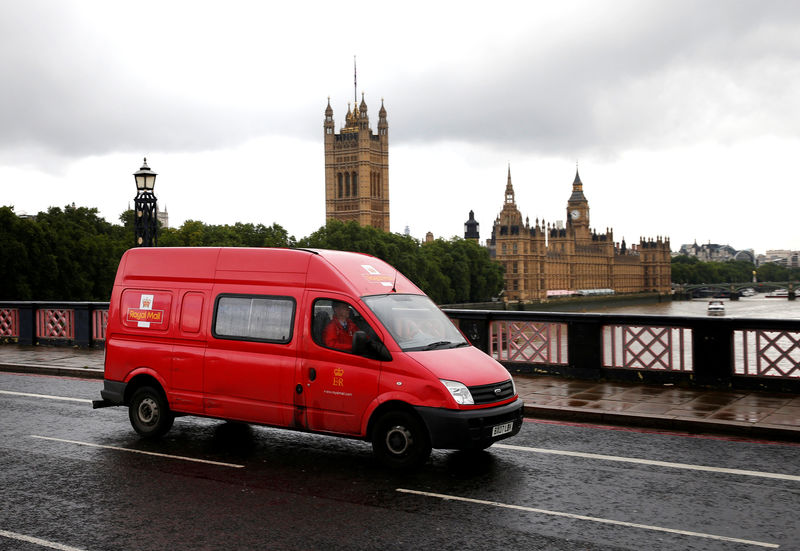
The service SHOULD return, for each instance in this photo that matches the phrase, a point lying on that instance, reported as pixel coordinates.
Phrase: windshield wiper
(437, 344)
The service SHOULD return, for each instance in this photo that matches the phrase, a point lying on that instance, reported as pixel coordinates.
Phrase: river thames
(746, 307)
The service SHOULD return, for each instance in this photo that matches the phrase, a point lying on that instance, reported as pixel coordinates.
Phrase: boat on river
(779, 293)
(716, 308)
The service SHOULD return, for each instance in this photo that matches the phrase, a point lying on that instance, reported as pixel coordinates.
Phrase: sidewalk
(745, 413)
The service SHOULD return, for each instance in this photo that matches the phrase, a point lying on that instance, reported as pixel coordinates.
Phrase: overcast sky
(683, 115)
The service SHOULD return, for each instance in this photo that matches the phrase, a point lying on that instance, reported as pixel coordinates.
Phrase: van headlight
(459, 391)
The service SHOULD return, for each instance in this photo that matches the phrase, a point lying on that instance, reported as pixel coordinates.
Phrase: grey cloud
(644, 74)
(668, 71)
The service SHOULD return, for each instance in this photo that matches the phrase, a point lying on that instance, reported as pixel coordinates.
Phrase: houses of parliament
(540, 260)
(543, 260)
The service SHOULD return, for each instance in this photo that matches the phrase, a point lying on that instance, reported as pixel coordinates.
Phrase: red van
(313, 340)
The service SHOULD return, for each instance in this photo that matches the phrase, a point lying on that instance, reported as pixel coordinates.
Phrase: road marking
(592, 519)
(47, 396)
(116, 448)
(37, 541)
(778, 476)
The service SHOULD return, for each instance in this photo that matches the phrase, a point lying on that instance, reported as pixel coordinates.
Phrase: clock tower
(578, 209)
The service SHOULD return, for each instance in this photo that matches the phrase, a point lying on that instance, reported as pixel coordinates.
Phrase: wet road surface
(77, 478)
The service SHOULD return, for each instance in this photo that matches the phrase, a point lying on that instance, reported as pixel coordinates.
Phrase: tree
(194, 233)
(73, 254)
(447, 271)
(690, 270)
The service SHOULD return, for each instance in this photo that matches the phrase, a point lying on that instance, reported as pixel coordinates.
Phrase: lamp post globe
(145, 178)
(145, 221)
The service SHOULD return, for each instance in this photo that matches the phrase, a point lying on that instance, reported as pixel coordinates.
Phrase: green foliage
(72, 254)
(690, 270)
(69, 254)
(448, 271)
(197, 234)
(776, 272)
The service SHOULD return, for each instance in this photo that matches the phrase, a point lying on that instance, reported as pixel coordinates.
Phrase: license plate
(502, 429)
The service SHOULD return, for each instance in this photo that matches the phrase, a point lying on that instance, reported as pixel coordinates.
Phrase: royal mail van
(332, 342)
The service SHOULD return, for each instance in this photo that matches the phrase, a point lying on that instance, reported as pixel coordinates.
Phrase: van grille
(486, 394)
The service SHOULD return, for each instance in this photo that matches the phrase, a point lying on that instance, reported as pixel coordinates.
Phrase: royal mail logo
(338, 371)
(147, 302)
(149, 316)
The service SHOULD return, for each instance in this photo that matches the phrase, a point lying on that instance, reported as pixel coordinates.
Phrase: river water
(746, 307)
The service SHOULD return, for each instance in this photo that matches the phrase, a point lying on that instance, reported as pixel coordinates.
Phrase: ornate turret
(328, 124)
(382, 124)
(577, 188)
(509, 189)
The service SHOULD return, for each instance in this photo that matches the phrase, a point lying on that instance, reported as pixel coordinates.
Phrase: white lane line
(592, 519)
(47, 396)
(37, 541)
(687, 466)
(180, 457)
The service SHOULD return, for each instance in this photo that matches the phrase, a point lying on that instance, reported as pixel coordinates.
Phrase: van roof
(366, 274)
(357, 273)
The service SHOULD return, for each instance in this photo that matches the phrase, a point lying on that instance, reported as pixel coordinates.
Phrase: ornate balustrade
(693, 351)
(710, 352)
(38, 322)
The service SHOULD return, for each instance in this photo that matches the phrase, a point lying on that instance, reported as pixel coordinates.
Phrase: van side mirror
(370, 348)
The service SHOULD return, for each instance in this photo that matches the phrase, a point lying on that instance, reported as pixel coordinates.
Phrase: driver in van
(339, 332)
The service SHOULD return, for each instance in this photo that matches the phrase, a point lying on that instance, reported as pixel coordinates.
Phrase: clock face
(575, 214)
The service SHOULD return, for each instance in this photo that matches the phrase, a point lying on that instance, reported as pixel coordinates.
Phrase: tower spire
(509, 188)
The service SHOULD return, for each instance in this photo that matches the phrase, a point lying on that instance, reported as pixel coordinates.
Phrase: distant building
(357, 168)
(162, 216)
(790, 259)
(712, 252)
(542, 260)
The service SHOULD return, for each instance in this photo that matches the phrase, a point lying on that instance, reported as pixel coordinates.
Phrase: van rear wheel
(400, 440)
(149, 413)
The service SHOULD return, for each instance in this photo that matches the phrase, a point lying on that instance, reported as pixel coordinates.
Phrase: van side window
(334, 322)
(254, 318)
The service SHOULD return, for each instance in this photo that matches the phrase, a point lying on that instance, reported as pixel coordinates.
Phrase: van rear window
(254, 318)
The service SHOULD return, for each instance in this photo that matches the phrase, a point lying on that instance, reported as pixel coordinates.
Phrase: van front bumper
(470, 429)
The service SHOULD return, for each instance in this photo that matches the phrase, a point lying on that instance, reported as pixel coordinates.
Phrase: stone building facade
(357, 168)
(543, 260)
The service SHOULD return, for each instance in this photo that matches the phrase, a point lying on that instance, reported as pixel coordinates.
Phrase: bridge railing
(40, 322)
(714, 352)
(745, 353)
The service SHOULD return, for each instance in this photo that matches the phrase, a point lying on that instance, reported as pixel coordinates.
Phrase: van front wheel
(149, 413)
(400, 440)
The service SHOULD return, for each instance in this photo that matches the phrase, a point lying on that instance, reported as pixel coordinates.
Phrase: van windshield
(415, 322)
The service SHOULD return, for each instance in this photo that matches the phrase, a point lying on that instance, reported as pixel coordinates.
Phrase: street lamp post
(145, 225)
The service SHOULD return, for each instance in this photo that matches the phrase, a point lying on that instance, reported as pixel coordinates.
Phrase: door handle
(312, 374)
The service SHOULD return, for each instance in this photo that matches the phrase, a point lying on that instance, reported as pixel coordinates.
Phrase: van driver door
(334, 385)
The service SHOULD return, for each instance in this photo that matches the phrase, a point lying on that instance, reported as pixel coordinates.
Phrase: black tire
(149, 413)
(400, 440)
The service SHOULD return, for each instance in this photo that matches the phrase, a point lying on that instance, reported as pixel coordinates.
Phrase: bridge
(733, 290)
(720, 353)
